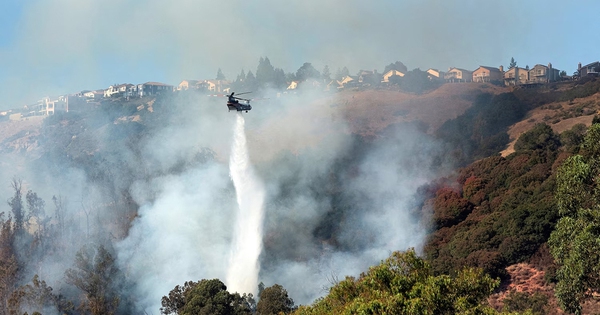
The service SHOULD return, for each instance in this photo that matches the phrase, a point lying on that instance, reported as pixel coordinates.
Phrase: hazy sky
(52, 47)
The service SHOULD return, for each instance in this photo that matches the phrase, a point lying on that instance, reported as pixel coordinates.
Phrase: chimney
(550, 65)
(501, 68)
(579, 66)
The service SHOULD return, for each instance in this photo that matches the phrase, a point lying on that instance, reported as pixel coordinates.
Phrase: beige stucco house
(458, 75)
(487, 74)
(516, 76)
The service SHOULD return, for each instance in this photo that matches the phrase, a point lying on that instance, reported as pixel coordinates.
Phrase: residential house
(488, 74)
(347, 81)
(435, 74)
(543, 74)
(516, 76)
(458, 75)
(93, 94)
(589, 69)
(48, 106)
(293, 85)
(188, 84)
(214, 85)
(387, 75)
(150, 88)
(116, 90)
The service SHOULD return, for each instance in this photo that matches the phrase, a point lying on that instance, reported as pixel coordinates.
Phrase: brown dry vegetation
(370, 111)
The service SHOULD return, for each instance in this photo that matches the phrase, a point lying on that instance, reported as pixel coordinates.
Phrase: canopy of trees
(575, 244)
(405, 284)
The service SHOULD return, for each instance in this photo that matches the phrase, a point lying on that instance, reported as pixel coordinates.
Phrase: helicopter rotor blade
(242, 93)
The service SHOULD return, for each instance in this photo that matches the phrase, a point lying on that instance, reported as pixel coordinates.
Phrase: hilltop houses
(458, 75)
(591, 69)
(488, 74)
(543, 74)
(435, 74)
(516, 76)
(387, 75)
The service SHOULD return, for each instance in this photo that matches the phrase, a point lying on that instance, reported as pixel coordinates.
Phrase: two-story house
(188, 84)
(590, 69)
(543, 74)
(153, 88)
(458, 75)
(214, 85)
(117, 90)
(516, 76)
(487, 74)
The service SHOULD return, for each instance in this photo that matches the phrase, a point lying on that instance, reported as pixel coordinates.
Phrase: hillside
(343, 171)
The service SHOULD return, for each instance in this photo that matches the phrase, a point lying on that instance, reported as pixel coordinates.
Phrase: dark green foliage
(307, 71)
(574, 242)
(205, 297)
(404, 284)
(522, 301)
(571, 139)
(417, 81)
(274, 300)
(481, 130)
(512, 63)
(540, 137)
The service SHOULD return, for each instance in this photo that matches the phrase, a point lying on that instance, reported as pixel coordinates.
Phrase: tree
(274, 300)
(206, 297)
(540, 137)
(574, 242)
(9, 266)
(37, 297)
(220, 75)
(251, 83)
(16, 206)
(265, 73)
(326, 74)
(396, 66)
(96, 274)
(416, 81)
(513, 63)
(563, 74)
(307, 71)
(280, 79)
(405, 284)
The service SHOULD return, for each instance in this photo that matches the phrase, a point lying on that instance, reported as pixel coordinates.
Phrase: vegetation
(497, 211)
(405, 284)
(502, 213)
(481, 130)
(205, 297)
(575, 241)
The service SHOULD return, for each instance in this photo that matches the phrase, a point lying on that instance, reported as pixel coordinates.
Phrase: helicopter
(233, 102)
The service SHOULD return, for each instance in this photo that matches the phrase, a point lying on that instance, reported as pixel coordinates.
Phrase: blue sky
(52, 47)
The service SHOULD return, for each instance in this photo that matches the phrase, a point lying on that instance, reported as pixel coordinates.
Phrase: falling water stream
(242, 274)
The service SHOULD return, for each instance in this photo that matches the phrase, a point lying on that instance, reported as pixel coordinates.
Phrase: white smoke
(242, 275)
